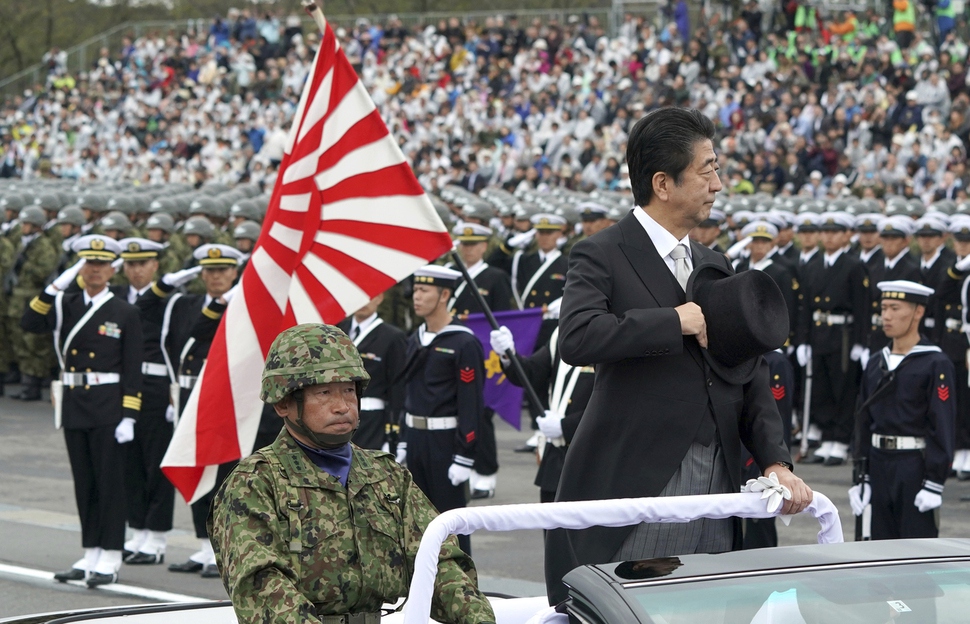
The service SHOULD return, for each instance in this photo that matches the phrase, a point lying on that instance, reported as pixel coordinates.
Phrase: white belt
(877, 320)
(820, 316)
(929, 323)
(153, 369)
(90, 379)
(898, 443)
(368, 404)
(433, 423)
(188, 381)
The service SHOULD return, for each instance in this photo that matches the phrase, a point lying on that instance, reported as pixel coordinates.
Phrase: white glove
(117, 263)
(550, 425)
(170, 413)
(227, 296)
(501, 340)
(67, 278)
(402, 453)
(521, 240)
(864, 359)
(803, 353)
(856, 353)
(459, 474)
(181, 277)
(386, 447)
(926, 500)
(963, 265)
(859, 497)
(771, 489)
(735, 251)
(125, 431)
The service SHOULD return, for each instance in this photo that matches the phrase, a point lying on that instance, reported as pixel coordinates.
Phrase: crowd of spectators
(804, 102)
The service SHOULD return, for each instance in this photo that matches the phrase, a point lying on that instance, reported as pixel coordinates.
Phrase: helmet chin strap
(327, 441)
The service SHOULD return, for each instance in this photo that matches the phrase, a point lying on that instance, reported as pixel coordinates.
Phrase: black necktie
(356, 332)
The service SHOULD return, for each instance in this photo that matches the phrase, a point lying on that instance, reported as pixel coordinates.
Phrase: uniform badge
(370, 356)
(109, 329)
(445, 350)
(943, 392)
(467, 374)
(778, 392)
(558, 276)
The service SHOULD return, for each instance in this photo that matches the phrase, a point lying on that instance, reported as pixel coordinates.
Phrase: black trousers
(202, 507)
(963, 406)
(429, 457)
(486, 451)
(97, 465)
(896, 477)
(370, 433)
(151, 496)
(833, 396)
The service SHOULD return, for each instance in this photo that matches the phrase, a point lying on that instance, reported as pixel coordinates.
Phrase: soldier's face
(218, 280)
(704, 235)
(96, 274)
(868, 240)
(427, 298)
(759, 248)
(899, 318)
(892, 245)
(327, 408)
(140, 272)
(472, 253)
(834, 240)
(28, 228)
(244, 245)
(808, 240)
(962, 248)
(157, 236)
(546, 239)
(193, 240)
(364, 313)
(929, 244)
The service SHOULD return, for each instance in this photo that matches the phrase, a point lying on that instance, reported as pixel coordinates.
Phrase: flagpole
(538, 409)
(314, 10)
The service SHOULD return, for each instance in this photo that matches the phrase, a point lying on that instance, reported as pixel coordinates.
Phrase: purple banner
(500, 394)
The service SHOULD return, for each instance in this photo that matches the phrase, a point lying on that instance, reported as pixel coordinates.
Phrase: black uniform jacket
(109, 342)
(549, 285)
(951, 300)
(382, 350)
(542, 369)
(494, 286)
(906, 268)
(839, 289)
(652, 388)
(446, 378)
(934, 276)
(921, 402)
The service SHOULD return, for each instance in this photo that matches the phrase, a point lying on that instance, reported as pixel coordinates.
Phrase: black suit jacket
(652, 392)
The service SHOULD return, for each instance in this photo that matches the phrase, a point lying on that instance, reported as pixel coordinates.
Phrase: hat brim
(139, 255)
(98, 256)
(218, 262)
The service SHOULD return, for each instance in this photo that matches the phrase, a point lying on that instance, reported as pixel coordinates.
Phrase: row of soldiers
(39, 223)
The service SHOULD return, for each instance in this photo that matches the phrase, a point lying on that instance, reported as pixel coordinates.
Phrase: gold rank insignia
(97, 244)
(215, 252)
(134, 247)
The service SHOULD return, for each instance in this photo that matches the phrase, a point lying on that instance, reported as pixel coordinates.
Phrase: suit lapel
(649, 266)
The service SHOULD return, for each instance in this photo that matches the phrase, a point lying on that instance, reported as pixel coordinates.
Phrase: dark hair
(664, 141)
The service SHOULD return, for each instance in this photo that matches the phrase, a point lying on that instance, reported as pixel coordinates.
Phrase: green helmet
(160, 221)
(308, 355)
(48, 201)
(248, 230)
(246, 209)
(201, 226)
(115, 221)
(95, 202)
(208, 206)
(122, 204)
(71, 215)
(11, 201)
(33, 215)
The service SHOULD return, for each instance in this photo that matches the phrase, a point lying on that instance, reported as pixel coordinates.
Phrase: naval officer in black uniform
(569, 390)
(763, 236)
(895, 234)
(830, 331)
(151, 496)
(870, 247)
(496, 289)
(906, 422)
(99, 340)
(444, 373)
(935, 259)
(539, 278)
(382, 348)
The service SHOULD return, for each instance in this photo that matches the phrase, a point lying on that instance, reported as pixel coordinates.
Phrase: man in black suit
(660, 421)
(935, 259)
(763, 236)
(896, 263)
(870, 248)
(98, 337)
(473, 180)
(382, 347)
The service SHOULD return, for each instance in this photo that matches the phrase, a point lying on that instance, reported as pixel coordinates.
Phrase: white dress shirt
(663, 240)
(363, 325)
(89, 300)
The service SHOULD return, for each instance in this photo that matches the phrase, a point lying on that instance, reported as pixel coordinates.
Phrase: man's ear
(660, 180)
(283, 407)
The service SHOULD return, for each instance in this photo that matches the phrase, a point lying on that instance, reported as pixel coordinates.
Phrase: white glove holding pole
(856, 353)
(864, 359)
(859, 496)
(117, 264)
(402, 453)
(458, 474)
(926, 500)
(735, 251)
(65, 279)
(501, 340)
(963, 265)
(170, 414)
(125, 431)
(230, 293)
(181, 277)
(550, 424)
(803, 353)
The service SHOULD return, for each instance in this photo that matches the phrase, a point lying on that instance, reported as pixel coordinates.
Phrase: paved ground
(39, 527)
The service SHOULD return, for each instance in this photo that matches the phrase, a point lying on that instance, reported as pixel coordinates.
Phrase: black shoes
(480, 494)
(210, 570)
(74, 574)
(97, 579)
(188, 566)
(834, 461)
(140, 558)
(525, 448)
(30, 389)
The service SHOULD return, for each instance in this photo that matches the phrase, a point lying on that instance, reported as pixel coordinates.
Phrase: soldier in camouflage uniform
(7, 254)
(36, 258)
(314, 528)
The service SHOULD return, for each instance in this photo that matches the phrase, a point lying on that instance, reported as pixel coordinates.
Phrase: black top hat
(746, 317)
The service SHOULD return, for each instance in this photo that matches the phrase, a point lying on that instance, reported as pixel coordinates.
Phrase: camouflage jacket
(292, 543)
(33, 265)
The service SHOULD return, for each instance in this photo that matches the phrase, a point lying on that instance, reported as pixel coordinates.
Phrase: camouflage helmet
(71, 215)
(160, 221)
(116, 221)
(246, 209)
(122, 204)
(94, 202)
(308, 355)
(33, 215)
(208, 206)
(248, 230)
(11, 201)
(48, 201)
(200, 226)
